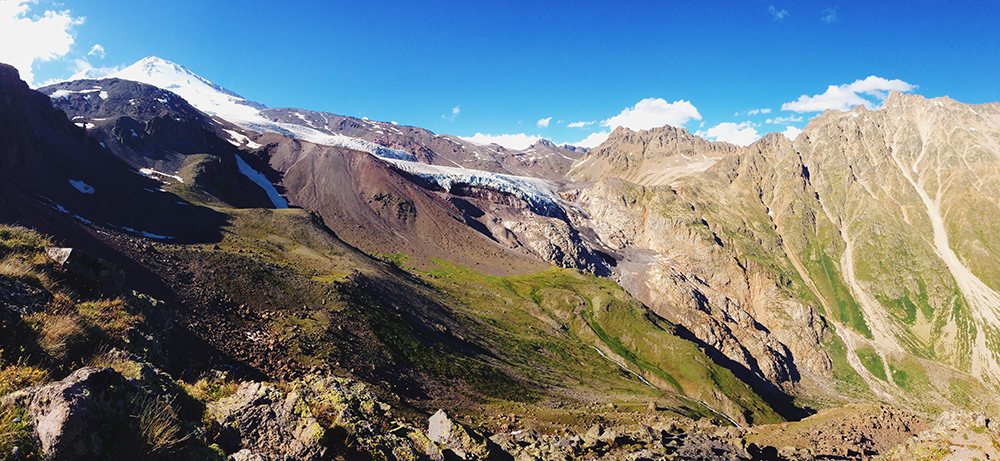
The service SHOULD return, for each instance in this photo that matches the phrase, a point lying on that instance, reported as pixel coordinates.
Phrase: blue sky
(534, 68)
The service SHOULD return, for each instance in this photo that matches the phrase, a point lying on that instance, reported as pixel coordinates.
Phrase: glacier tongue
(540, 194)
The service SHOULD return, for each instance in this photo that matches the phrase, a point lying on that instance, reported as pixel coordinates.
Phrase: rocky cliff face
(861, 253)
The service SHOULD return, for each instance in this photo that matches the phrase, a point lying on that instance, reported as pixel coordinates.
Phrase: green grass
(15, 431)
(909, 375)
(587, 310)
(396, 259)
(848, 380)
(828, 281)
(872, 362)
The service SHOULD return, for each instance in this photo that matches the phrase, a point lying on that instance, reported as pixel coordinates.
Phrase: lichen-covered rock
(314, 417)
(265, 421)
(956, 435)
(18, 298)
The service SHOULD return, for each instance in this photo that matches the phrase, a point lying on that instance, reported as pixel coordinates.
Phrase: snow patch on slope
(159, 175)
(261, 180)
(65, 93)
(239, 139)
(82, 186)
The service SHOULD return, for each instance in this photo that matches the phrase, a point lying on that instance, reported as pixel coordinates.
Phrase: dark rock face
(142, 124)
(28, 125)
(153, 128)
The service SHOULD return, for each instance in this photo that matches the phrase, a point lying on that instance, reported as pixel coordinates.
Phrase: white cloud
(580, 124)
(83, 70)
(765, 110)
(843, 97)
(829, 15)
(454, 113)
(544, 123)
(97, 50)
(791, 132)
(594, 140)
(741, 134)
(784, 120)
(778, 15)
(37, 38)
(653, 113)
(510, 141)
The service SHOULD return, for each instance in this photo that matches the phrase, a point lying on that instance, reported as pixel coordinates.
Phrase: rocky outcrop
(554, 240)
(260, 421)
(955, 435)
(649, 156)
(18, 298)
(70, 416)
(458, 440)
(315, 417)
(96, 413)
(671, 260)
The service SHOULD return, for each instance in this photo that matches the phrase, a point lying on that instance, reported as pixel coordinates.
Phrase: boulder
(69, 415)
(462, 441)
(96, 274)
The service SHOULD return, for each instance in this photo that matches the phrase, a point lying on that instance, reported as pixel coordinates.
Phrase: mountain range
(857, 263)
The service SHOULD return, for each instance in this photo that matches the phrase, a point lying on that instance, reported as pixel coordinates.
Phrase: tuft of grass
(117, 361)
(212, 387)
(20, 375)
(16, 433)
(19, 240)
(396, 259)
(146, 427)
(114, 316)
(62, 335)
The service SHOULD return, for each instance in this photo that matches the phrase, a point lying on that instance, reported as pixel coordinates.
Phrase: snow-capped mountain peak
(200, 92)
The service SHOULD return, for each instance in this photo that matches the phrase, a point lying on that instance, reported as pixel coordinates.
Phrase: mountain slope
(861, 249)
(55, 174)
(160, 134)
